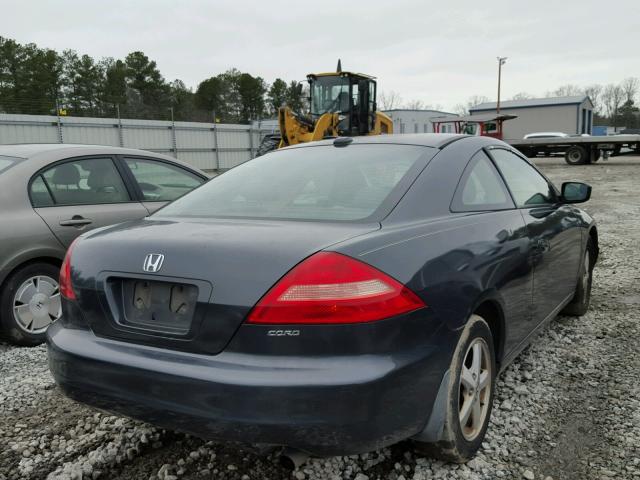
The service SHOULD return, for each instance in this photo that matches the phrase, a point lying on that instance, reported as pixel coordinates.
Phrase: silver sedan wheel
(475, 389)
(36, 304)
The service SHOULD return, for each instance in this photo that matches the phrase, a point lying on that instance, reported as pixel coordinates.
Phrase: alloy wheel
(36, 304)
(475, 389)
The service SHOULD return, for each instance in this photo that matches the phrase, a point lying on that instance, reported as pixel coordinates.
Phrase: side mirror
(575, 192)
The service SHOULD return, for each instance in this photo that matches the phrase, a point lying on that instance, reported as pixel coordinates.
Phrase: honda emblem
(153, 262)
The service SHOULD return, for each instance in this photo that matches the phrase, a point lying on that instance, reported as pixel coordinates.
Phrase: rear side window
(311, 183)
(160, 181)
(80, 182)
(481, 188)
(40, 195)
(527, 186)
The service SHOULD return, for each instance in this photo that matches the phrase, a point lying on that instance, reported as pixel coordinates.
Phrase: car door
(553, 229)
(501, 257)
(79, 194)
(159, 181)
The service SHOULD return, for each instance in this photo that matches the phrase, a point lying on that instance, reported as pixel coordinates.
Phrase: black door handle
(76, 221)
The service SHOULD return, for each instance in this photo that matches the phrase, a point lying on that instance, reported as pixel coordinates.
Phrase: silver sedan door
(81, 194)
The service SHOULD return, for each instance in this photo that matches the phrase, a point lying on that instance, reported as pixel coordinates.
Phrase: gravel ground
(568, 408)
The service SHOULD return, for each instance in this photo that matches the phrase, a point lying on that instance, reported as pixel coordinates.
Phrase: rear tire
(268, 144)
(29, 303)
(576, 155)
(469, 395)
(582, 298)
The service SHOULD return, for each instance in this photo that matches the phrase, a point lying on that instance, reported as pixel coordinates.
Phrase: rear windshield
(316, 183)
(6, 162)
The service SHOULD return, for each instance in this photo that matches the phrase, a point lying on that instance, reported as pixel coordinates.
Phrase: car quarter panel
(454, 261)
(24, 236)
(455, 264)
(27, 239)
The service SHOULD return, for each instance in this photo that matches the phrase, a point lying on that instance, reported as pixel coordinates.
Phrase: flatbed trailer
(578, 150)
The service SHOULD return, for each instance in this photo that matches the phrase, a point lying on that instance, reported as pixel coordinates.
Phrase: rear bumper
(322, 405)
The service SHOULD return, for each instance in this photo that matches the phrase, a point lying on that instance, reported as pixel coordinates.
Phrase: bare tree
(612, 99)
(389, 100)
(594, 92)
(630, 87)
(568, 90)
(476, 100)
(461, 109)
(415, 105)
(522, 96)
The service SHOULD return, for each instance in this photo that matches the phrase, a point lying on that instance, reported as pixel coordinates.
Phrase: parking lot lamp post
(501, 61)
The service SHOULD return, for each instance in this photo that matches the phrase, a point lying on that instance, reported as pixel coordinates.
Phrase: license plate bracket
(158, 306)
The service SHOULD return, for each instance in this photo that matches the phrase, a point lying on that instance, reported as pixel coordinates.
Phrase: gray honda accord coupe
(334, 297)
(50, 194)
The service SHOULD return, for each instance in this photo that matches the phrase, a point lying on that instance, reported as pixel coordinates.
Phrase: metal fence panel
(208, 146)
(40, 129)
(233, 138)
(94, 133)
(147, 137)
(193, 137)
(202, 159)
(229, 159)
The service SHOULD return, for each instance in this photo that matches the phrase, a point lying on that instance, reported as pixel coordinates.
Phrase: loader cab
(351, 95)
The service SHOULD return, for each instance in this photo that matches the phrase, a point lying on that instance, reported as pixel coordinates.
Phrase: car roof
(433, 140)
(27, 150)
(44, 153)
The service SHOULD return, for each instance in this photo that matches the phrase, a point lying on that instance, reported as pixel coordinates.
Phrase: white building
(414, 121)
(572, 115)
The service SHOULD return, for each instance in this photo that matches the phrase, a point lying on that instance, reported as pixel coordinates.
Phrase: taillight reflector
(66, 288)
(331, 288)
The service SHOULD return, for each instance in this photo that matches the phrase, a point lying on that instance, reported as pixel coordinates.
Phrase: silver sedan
(50, 194)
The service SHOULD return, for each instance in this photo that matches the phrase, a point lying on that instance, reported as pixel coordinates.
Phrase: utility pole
(215, 140)
(501, 61)
(120, 136)
(60, 137)
(173, 134)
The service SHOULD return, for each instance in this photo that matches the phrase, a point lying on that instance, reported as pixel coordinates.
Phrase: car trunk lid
(211, 274)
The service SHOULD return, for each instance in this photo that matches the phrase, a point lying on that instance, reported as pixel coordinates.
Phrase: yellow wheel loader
(342, 104)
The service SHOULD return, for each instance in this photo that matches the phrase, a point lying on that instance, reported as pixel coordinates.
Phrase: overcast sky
(438, 52)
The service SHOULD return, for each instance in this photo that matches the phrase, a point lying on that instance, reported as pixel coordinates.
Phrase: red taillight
(66, 289)
(333, 288)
